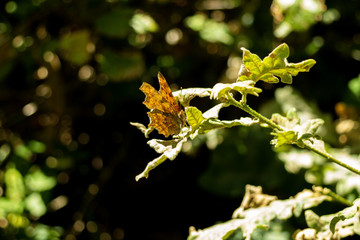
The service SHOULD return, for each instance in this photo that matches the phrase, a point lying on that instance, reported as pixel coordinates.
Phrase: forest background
(70, 73)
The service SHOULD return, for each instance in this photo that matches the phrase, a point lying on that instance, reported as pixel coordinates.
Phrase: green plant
(286, 130)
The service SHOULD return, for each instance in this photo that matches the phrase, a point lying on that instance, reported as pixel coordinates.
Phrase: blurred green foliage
(69, 77)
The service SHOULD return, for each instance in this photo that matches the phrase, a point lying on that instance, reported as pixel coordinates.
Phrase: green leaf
(169, 149)
(210, 29)
(259, 218)
(39, 182)
(313, 220)
(10, 206)
(35, 204)
(214, 111)
(354, 86)
(218, 231)
(283, 137)
(74, 45)
(123, 66)
(105, 24)
(246, 87)
(208, 121)
(294, 132)
(36, 146)
(186, 95)
(295, 15)
(42, 232)
(143, 23)
(23, 151)
(273, 66)
(194, 117)
(150, 166)
(15, 188)
(344, 214)
(309, 128)
(211, 124)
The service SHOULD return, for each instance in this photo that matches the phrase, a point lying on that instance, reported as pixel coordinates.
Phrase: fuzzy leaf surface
(272, 67)
(261, 217)
(246, 87)
(294, 131)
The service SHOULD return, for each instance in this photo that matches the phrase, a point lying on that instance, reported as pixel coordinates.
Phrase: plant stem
(331, 158)
(242, 105)
(336, 197)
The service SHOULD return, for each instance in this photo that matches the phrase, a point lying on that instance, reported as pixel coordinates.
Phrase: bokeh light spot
(63, 178)
(105, 236)
(86, 72)
(49, 56)
(93, 189)
(18, 41)
(91, 226)
(58, 203)
(173, 36)
(83, 138)
(99, 109)
(79, 226)
(51, 162)
(119, 234)
(11, 7)
(44, 90)
(29, 109)
(3, 223)
(97, 163)
(42, 73)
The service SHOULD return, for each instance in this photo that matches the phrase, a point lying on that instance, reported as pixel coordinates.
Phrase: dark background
(105, 150)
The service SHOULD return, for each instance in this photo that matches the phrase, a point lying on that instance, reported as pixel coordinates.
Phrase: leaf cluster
(258, 210)
(253, 69)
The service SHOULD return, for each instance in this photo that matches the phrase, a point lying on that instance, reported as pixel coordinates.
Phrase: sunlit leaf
(150, 166)
(186, 95)
(10, 206)
(43, 232)
(254, 218)
(211, 124)
(36, 146)
(214, 111)
(297, 15)
(346, 213)
(294, 131)
(38, 181)
(354, 86)
(17, 220)
(313, 220)
(15, 188)
(23, 151)
(245, 87)
(194, 116)
(273, 66)
(4, 152)
(283, 137)
(35, 204)
(170, 148)
(143, 23)
(209, 29)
